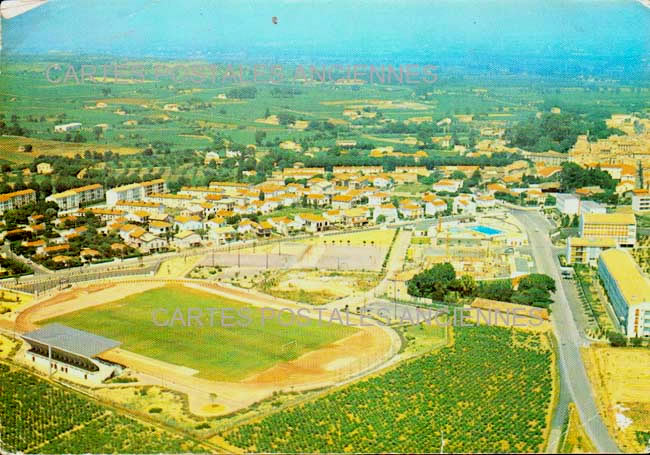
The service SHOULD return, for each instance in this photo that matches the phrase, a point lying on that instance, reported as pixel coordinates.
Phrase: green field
(218, 353)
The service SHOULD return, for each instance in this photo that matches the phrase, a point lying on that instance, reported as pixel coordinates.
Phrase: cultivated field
(219, 353)
(37, 417)
(9, 148)
(490, 392)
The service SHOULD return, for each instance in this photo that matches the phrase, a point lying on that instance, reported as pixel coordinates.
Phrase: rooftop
(603, 242)
(609, 218)
(71, 340)
(632, 283)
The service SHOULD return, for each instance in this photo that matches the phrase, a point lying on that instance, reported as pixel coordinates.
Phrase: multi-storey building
(628, 290)
(581, 250)
(567, 204)
(135, 191)
(618, 226)
(641, 200)
(75, 197)
(10, 201)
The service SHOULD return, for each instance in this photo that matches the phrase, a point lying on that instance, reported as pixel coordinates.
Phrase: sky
(580, 34)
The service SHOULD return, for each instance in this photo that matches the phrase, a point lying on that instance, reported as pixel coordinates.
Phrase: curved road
(573, 375)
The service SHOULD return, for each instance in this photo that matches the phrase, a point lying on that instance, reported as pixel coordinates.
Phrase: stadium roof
(71, 340)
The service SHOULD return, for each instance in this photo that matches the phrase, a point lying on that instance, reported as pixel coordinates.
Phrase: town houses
(146, 217)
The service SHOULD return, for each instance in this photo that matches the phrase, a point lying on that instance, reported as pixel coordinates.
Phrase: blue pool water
(486, 230)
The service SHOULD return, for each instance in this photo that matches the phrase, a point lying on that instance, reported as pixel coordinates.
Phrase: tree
(550, 200)
(533, 297)
(617, 339)
(432, 283)
(495, 290)
(537, 280)
(381, 219)
(259, 137)
(28, 148)
(466, 285)
(98, 132)
(636, 341)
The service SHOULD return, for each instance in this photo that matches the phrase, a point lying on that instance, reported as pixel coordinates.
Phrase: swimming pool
(486, 230)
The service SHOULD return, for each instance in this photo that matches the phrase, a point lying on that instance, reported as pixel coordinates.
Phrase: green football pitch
(245, 341)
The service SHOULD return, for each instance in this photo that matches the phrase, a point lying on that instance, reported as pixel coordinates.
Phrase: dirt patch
(621, 381)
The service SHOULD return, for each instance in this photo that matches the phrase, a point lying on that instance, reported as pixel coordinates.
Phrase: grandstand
(70, 353)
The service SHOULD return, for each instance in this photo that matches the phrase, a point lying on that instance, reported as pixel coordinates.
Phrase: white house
(187, 239)
(188, 223)
(433, 205)
(464, 203)
(313, 222)
(389, 211)
(485, 201)
(67, 127)
(378, 198)
(448, 185)
(222, 235)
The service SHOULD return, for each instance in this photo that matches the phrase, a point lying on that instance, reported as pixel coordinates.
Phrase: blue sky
(342, 30)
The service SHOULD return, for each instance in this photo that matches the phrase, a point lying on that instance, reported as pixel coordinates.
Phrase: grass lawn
(413, 188)
(218, 353)
(380, 237)
(290, 211)
(424, 337)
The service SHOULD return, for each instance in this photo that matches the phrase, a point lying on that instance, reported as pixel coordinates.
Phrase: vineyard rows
(36, 416)
(489, 392)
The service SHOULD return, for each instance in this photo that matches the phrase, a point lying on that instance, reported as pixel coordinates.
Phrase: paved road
(572, 369)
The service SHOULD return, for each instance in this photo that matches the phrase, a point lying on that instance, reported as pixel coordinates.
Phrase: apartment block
(73, 198)
(567, 204)
(135, 191)
(586, 251)
(17, 199)
(641, 200)
(620, 227)
(628, 290)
